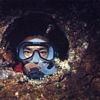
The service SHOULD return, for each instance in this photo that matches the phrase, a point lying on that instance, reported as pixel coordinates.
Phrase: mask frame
(51, 50)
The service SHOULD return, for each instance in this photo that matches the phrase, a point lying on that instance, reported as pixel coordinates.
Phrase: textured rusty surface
(82, 26)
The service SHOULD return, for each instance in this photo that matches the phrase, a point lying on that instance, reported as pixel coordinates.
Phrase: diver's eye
(43, 53)
(28, 53)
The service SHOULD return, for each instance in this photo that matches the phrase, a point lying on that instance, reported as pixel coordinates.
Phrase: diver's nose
(35, 58)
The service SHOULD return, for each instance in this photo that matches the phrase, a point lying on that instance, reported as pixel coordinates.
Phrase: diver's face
(37, 56)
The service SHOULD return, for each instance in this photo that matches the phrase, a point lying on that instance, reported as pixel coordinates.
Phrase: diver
(35, 40)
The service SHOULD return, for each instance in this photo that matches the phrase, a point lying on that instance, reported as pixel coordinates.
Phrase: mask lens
(43, 52)
(27, 50)
(23, 51)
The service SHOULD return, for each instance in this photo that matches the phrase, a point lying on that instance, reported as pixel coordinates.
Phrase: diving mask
(27, 49)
